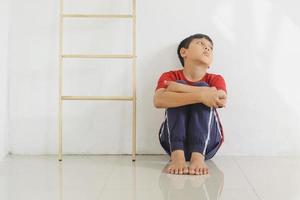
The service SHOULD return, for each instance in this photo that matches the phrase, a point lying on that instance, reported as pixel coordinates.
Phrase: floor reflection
(197, 187)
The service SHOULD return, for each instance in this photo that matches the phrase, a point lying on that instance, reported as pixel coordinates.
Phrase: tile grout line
(247, 179)
(108, 177)
(106, 180)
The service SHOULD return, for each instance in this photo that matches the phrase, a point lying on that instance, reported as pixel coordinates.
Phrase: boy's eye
(202, 43)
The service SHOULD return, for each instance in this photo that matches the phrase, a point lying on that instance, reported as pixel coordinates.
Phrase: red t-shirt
(213, 80)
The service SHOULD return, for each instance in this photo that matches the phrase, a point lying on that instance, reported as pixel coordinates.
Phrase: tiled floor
(117, 177)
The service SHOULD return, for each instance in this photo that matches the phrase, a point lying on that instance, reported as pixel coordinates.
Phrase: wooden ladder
(63, 56)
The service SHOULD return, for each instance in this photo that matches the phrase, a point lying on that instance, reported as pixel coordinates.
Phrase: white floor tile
(117, 177)
(273, 177)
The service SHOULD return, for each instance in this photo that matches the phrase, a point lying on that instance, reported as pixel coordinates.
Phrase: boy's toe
(181, 171)
(169, 170)
(201, 171)
(186, 170)
(192, 171)
(176, 171)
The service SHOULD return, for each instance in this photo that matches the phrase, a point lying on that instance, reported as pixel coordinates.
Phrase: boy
(191, 130)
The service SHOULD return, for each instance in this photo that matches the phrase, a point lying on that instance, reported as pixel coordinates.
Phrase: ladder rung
(97, 56)
(121, 98)
(96, 16)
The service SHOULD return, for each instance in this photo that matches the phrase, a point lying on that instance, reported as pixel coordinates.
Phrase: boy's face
(199, 50)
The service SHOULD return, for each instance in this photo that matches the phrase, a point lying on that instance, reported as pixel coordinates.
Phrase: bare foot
(177, 165)
(197, 166)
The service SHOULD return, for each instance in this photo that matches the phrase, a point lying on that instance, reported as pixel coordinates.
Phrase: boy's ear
(183, 52)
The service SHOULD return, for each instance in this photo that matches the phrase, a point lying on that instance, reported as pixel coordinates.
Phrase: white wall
(4, 13)
(256, 49)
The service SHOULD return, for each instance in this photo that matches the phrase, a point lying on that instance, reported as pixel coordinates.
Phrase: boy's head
(197, 47)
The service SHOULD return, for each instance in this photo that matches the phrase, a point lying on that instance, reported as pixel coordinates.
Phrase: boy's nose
(206, 48)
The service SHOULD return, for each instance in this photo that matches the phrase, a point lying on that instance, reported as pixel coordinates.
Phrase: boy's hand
(172, 86)
(210, 97)
(222, 103)
(223, 98)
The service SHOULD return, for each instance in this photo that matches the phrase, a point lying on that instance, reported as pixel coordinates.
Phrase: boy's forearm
(177, 94)
(194, 89)
(170, 99)
(185, 88)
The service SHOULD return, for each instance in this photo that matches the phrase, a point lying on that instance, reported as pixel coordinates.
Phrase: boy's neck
(194, 72)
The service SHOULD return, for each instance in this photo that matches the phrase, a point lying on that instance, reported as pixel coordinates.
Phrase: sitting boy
(192, 130)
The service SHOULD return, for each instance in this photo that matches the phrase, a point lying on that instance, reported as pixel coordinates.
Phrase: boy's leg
(172, 136)
(202, 135)
(214, 142)
(204, 132)
(172, 133)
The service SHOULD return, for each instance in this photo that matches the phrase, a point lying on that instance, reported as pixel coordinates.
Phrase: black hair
(186, 42)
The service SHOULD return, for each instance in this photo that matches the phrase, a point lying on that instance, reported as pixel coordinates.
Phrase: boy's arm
(168, 99)
(183, 88)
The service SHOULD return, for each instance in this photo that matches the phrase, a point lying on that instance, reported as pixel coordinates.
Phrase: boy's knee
(201, 84)
(178, 109)
(181, 81)
(200, 106)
